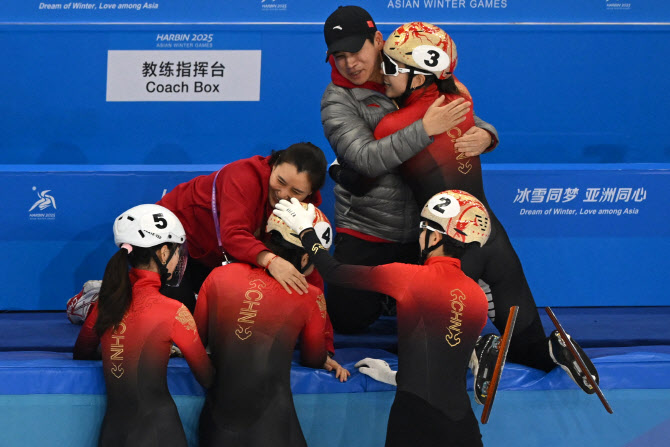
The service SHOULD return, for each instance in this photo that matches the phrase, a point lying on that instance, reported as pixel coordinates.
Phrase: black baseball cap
(347, 28)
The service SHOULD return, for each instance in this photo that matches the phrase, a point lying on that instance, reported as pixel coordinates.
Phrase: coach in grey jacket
(379, 226)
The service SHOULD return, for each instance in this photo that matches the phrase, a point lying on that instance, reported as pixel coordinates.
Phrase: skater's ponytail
(116, 291)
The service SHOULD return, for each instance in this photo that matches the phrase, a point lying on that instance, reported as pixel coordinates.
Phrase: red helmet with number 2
(321, 226)
(462, 216)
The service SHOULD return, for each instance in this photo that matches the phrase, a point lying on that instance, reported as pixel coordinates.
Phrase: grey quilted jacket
(388, 210)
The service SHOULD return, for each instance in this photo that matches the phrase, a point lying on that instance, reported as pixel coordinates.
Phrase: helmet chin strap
(162, 267)
(427, 250)
(408, 88)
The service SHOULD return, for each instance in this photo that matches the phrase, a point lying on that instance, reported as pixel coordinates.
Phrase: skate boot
(562, 356)
(482, 364)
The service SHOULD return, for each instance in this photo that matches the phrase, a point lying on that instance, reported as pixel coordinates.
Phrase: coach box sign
(198, 75)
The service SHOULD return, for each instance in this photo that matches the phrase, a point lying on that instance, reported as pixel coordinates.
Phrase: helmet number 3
(161, 223)
(431, 58)
(434, 58)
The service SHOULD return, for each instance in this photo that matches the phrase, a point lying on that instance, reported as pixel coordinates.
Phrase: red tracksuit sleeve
(241, 199)
(86, 346)
(312, 342)
(185, 336)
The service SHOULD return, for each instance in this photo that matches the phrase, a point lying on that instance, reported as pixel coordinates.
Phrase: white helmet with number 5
(321, 226)
(461, 215)
(147, 226)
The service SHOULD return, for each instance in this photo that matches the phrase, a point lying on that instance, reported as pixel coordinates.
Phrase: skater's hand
(294, 215)
(440, 118)
(473, 142)
(377, 369)
(341, 373)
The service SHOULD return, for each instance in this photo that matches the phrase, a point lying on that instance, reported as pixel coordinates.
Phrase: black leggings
(276, 425)
(155, 426)
(498, 265)
(352, 310)
(414, 422)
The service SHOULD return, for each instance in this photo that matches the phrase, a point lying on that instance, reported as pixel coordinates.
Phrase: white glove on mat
(377, 369)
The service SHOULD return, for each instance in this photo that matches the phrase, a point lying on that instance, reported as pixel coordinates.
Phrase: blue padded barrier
(47, 399)
(36, 372)
(590, 326)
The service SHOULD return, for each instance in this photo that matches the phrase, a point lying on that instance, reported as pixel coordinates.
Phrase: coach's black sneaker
(562, 356)
(482, 364)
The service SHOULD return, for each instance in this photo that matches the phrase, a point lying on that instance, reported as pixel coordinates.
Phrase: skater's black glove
(349, 179)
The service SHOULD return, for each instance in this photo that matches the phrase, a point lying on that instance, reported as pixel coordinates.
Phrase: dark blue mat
(591, 326)
(38, 372)
(37, 331)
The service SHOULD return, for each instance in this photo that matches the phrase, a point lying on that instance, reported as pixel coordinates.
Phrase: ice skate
(561, 355)
(571, 357)
(503, 347)
(482, 364)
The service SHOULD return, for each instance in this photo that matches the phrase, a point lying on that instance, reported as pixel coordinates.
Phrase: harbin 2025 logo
(44, 208)
(617, 5)
(273, 5)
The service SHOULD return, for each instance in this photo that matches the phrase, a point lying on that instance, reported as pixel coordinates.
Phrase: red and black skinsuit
(251, 325)
(440, 167)
(140, 411)
(441, 313)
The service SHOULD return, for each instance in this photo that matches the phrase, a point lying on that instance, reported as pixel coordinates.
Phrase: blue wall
(573, 254)
(558, 87)
(563, 82)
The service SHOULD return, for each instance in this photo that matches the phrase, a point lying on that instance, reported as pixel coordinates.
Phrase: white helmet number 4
(323, 231)
(431, 58)
(444, 205)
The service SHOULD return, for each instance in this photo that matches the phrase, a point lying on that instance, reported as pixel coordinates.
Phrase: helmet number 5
(161, 223)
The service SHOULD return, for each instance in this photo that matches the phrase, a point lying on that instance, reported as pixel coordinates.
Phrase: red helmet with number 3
(461, 215)
(423, 46)
(321, 226)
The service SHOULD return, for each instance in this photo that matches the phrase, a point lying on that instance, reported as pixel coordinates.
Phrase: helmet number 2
(161, 223)
(444, 202)
(434, 58)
